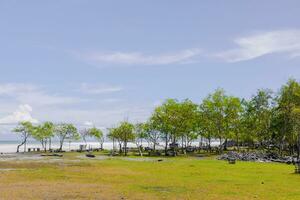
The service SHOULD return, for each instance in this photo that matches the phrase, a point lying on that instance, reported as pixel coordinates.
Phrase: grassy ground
(74, 177)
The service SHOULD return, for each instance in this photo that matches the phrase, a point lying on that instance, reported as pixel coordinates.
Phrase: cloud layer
(18, 100)
(260, 44)
(99, 88)
(23, 113)
(34, 95)
(138, 58)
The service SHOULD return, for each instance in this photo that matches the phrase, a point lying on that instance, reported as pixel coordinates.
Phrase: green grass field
(76, 177)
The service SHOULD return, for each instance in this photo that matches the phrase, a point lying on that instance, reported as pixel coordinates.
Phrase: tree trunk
(220, 145)
(18, 147)
(237, 142)
(225, 144)
(298, 149)
(25, 146)
(182, 148)
(166, 145)
(84, 140)
(49, 144)
(120, 148)
(45, 148)
(174, 149)
(61, 145)
(125, 146)
(139, 149)
(200, 145)
(113, 144)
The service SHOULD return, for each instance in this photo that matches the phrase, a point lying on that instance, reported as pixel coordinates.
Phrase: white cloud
(16, 88)
(88, 123)
(34, 95)
(260, 44)
(137, 58)
(23, 113)
(102, 116)
(99, 88)
(103, 112)
(42, 98)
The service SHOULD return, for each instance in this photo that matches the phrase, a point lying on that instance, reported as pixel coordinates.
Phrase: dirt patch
(19, 157)
(95, 158)
(141, 159)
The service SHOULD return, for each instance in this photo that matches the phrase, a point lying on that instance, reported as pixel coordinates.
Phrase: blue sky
(99, 62)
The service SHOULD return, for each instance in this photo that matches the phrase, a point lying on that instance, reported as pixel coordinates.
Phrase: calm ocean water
(11, 146)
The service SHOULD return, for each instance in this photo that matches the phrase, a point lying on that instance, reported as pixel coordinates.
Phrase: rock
(90, 155)
(256, 156)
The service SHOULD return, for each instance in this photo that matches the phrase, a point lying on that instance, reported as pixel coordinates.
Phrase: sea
(10, 146)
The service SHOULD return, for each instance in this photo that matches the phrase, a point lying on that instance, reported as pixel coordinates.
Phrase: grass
(173, 178)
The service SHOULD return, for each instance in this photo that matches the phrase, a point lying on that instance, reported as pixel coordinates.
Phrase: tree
(288, 102)
(214, 106)
(25, 129)
(233, 111)
(123, 133)
(161, 120)
(296, 114)
(205, 126)
(84, 133)
(140, 134)
(97, 134)
(44, 133)
(126, 132)
(257, 117)
(188, 115)
(220, 114)
(66, 131)
(113, 135)
(174, 119)
(151, 134)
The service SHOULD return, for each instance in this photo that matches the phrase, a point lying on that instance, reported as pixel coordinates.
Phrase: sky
(96, 62)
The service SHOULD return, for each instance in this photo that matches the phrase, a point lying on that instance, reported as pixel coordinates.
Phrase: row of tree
(44, 133)
(267, 120)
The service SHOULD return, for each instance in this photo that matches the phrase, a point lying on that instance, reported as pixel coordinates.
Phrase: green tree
(140, 135)
(220, 114)
(296, 115)
(205, 127)
(113, 135)
(43, 133)
(97, 134)
(214, 105)
(84, 133)
(174, 120)
(161, 120)
(257, 117)
(123, 133)
(188, 113)
(66, 131)
(288, 102)
(152, 135)
(233, 112)
(25, 129)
